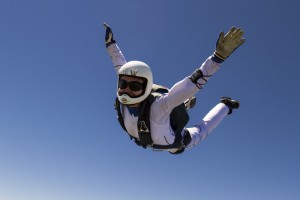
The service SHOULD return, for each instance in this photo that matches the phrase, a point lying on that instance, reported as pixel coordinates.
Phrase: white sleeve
(116, 55)
(185, 88)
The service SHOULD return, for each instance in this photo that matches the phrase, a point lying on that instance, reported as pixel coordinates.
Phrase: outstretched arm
(186, 88)
(114, 51)
(225, 46)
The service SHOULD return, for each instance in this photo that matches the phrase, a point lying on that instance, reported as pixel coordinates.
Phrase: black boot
(232, 104)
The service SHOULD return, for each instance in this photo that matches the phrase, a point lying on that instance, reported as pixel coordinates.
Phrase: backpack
(178, 120)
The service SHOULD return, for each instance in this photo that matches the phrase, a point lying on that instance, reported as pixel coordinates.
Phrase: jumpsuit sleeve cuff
(215, 58)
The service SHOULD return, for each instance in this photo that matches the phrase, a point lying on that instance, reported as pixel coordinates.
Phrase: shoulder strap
(119, 114)
(144, 130)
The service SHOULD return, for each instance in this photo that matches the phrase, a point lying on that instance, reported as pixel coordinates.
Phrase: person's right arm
(114, 51)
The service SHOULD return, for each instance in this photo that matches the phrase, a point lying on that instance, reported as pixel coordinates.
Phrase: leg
(201, 130)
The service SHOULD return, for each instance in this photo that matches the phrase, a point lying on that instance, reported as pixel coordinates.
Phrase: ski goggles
(133, 85)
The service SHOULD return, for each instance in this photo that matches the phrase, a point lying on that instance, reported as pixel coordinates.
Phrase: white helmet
(136, 69)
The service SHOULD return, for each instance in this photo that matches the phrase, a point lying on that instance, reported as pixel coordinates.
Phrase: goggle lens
(133, 85)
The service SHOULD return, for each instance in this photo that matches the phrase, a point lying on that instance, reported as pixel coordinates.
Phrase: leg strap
(186, 141)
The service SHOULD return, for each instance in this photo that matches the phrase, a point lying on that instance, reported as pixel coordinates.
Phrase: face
(130, 85)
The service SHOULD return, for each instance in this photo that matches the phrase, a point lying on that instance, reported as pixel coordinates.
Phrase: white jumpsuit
(161, 131)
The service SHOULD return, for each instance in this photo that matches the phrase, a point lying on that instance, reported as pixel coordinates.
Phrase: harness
(178, 119)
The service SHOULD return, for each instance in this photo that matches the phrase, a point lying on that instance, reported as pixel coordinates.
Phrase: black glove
(109, 36)
(227, 44)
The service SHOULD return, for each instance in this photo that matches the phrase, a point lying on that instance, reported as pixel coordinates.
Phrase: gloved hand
(227, 44)
(109, 36)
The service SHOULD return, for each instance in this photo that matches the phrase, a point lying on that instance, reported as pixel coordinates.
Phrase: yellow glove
(109, 36)
(227, 44)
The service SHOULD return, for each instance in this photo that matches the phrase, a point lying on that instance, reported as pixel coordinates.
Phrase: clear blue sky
(59, 137)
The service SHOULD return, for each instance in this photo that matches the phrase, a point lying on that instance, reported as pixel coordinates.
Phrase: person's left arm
(186, 88)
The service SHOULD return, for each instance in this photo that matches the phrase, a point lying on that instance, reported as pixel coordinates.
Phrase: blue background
(59, 137)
